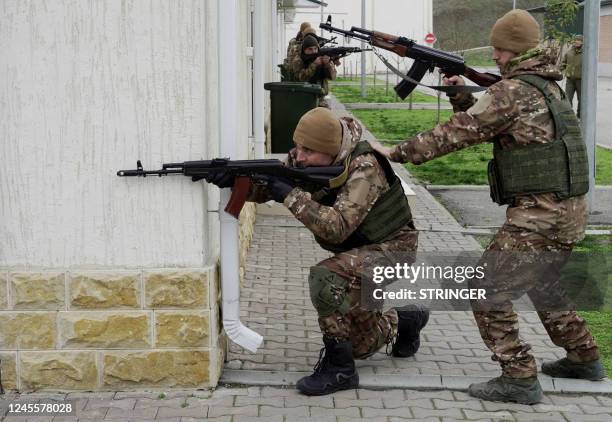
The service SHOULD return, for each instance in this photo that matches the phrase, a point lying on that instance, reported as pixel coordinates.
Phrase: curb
(485, 187)
(420, 382)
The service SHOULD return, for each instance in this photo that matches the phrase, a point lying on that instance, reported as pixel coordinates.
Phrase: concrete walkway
(472, 205)
(272, 404)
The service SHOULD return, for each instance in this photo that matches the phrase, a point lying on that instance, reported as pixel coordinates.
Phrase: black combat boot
(334, 371)
(411, 320)
(565, 368)
(505, 389)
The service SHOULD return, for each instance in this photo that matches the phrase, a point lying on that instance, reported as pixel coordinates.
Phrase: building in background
(110, 283)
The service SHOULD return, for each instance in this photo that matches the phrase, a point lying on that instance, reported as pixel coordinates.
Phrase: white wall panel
(86, 88)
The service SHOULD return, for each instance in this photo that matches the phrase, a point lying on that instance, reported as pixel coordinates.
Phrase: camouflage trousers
(497, 320)
(367, 330)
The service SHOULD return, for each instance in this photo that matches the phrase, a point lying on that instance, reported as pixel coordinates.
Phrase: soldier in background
(308, 66)
(572, 69)
(366, 215)
(293, 48)
(547, 206)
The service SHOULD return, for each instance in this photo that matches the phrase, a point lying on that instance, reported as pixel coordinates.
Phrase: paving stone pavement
(285, 404)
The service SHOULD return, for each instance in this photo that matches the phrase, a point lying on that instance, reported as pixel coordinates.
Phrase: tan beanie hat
(320, 130)
(516, 31)
(304, 25)
(309, 31)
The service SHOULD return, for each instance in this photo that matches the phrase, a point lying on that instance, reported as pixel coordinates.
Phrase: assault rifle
(322, 41)
(425, 59)
(339, 52)
(245, 171)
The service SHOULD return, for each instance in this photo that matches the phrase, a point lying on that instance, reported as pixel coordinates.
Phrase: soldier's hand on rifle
(453, 80)
(319, 61)
(279, 187)
(380, 148)
(325, 59)
(337, 62)
(222, 180)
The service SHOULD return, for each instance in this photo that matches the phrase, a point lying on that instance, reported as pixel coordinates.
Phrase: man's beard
(309, 58)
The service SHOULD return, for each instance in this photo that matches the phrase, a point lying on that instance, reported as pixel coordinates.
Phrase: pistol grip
(240, 192)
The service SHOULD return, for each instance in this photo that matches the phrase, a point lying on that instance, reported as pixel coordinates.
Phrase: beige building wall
(111, 283)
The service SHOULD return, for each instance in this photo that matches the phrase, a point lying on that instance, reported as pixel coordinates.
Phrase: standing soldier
(308, 66)
(367, 214)
(572, 69)
(542, 174)
(293, 48)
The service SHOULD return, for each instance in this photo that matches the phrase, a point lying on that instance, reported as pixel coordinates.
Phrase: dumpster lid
(294, 87)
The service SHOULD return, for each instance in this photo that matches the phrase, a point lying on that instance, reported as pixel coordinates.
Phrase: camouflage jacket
(572, 63)
(312, 73)
(293, 50)
(510, 112)
(366, 181)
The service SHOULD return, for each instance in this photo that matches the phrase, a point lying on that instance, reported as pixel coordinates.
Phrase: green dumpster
(289, 102)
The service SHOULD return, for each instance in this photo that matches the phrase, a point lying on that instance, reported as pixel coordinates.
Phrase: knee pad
(328, 291)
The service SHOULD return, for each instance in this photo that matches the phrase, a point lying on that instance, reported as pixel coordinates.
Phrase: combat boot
(506, 389)
(411, 320)
(565, 368)
(334, 371)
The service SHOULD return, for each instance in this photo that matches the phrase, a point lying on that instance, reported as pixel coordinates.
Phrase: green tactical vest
(389, 214)
(560, 166)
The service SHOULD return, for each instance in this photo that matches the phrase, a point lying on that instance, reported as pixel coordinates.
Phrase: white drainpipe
(228, 138)
(259, 67)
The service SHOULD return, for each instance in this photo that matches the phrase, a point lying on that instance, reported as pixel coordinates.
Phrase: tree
(560, 15)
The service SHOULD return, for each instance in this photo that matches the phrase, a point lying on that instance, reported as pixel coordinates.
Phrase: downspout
(259, 68)
(228, 138)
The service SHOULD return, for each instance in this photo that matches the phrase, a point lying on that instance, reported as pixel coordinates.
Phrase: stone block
(62, 371)
(105, 329)
(105, 289)
(8, 365)
(37, 290)
(21, 330)
(176, 289)
(167, 368)
(182, 328)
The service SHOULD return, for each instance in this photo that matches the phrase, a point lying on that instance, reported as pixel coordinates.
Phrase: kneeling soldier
(366, 215)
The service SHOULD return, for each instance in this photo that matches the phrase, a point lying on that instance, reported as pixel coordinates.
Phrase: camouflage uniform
(512, 112)
(572, 68)
(293, 50)
(367, 330)
(312, 73)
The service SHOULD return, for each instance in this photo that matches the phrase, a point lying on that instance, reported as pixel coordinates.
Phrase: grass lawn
(600, 322)
(352, 94)
(468, 166)
(478, 58)
(465, 167)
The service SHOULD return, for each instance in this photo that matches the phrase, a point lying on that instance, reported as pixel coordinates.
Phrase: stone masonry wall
(110, 330)
(114, 329)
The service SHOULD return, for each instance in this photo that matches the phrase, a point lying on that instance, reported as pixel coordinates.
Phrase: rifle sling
(449, 89)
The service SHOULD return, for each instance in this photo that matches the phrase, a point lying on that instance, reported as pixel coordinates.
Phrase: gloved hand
(279, 187)
(222, 180)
